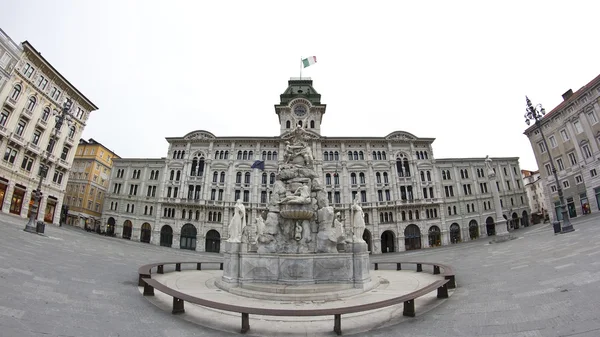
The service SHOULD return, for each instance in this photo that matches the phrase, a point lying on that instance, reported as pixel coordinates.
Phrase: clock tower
(300, 104)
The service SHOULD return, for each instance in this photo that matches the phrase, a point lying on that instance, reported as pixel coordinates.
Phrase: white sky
(454, 70)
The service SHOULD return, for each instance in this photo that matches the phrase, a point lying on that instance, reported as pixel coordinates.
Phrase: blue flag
(259, 164)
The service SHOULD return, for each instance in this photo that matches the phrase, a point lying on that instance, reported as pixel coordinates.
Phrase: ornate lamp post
(63, 116)
(535, 113)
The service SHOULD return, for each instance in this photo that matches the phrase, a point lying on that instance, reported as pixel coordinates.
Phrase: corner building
(411, 200)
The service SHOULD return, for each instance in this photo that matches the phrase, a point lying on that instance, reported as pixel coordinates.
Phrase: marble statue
(338, 223)
(358, 225)
(260, 225)
(488, 165)
(235, 226)
(301, 196)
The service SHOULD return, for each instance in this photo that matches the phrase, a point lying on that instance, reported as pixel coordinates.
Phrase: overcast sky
(457, 71)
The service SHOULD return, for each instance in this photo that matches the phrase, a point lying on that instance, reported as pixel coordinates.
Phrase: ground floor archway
(145, 233)
(127, 229)
(515, 221)
(525, 219)
(387, 242)
(367, 238)
(213, 241)
(412, 237)
(188, 237)
(473, 230)
(490, 226)
(455, 233)
(166, 236)
(110, 226)
(435, 236)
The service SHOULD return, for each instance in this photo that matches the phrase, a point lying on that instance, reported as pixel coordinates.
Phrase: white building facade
(30, 91)
(535, 194)
(411, 199)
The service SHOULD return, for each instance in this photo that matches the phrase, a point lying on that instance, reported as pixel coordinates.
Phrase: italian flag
(309, 61)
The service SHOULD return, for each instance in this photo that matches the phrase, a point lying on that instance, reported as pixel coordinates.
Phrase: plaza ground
(74, 283)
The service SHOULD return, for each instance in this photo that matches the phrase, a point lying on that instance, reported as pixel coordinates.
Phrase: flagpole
(300, 67)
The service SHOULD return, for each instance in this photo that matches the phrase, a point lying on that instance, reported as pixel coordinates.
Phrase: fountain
(295, 247)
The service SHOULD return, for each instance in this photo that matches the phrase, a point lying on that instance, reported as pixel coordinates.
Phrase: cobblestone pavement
(73, 283)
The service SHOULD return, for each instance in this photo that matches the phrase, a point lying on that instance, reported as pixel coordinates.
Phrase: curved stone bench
(180, 298)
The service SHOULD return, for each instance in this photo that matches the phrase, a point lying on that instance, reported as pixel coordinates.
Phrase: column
(10, 189)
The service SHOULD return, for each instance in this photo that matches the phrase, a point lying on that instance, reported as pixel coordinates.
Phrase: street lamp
(535, 113)
(63, 116)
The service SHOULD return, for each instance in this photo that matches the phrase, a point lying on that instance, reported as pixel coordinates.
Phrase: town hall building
(411, 199)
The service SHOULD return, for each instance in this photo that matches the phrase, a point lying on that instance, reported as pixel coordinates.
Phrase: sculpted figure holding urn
(235, 226)
(358, 225)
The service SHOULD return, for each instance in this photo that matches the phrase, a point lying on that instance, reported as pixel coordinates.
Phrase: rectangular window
(237, 194)
(336, 198)
(578, 179)
(553, 188)
(36, 137)
(50, 146)
(542, 147)
(548, 169)
(42, 82)
(55, 93)
(572, 158)
(380, 195)
(593, 173)
(27, 163)
(564, 135)
(4, 117)
(586, 151)
(560, 164)
(363, 196)
(566, 184)
(10, 155)
(65, 153)
(20, 127)
(593, 117)
(28, 70)
(246, 196)
(578, 127)
(553, 143)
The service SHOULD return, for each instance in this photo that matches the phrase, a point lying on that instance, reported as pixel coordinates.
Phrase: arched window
(174, 154)
(250, 155)
(349, 155)
(378, 177)
(426, 155)
(31, 103)
(391, 217)
(272, 178)
(385, 217)
(182, 154)
(46, 114)
(151, 209)
(245, 155)
(422, 176)
(378, 155)
(172, 175)
(381, 217)
(239, 156)
(468, 208)
(403, 215)
(336, 155)
(300, 123)
(449, 210)
(287, 124)
(353, 178)
(210, 216)
(226, 155)
(312, 124)
(367, 218)
(385, 177)
(264, 155)
(238, 178)
(178, 175)
(16, 92)
(326, 156)
(410, 215)
(197, 215)
(328, 179)
(383, 155)
(269, 155)
(374, 155)
(466, 174)
(264, 178)
(200, 166)
(72, 132)
(417, 215)
(361, 178)
(183, 213)
(221, 154)
(215, 176)
(355, 155)
(406, 168)
(194, 166)
(428, 176)
(274, 155)
(222, 177)
(247, 178)
(361, 155)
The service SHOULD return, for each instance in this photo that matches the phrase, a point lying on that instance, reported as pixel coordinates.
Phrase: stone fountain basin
(296, 211)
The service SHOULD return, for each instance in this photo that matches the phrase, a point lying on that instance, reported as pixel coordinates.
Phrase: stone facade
(572, 132)
(410, 198)
(535, 195)
(30, 90)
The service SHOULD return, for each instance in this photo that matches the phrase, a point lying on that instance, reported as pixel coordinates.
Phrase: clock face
(300, 110)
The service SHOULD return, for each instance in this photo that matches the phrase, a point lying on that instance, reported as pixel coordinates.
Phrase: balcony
(63, 163)
(49, 156)
(10, 102)
(33, 148)
(17, 139)
(3, 131)
(28, 113)
(69, 140)
(42, 123)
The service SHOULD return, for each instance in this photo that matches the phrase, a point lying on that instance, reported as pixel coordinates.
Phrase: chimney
(567, 94)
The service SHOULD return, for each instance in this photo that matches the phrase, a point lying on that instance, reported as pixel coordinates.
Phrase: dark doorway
(412, 237)
(387, 242)
(213, 241)
(435, 236)
(490, 226)
(110, 226)
(146, 233)
(188, 237)
(473, 230)
(166, 236)
(455, 233)
(127, 229)
(525, 219)
(515, 221)
(367, 238)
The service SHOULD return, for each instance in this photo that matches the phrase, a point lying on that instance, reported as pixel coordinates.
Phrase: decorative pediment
(200, 134)
(299, 100)
(400, 136)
